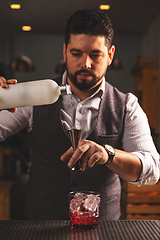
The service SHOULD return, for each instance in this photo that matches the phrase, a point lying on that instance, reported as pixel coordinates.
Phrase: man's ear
(111, 54)
(64, 52)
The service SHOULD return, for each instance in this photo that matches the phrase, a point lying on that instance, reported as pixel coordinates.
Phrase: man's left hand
(88, 153)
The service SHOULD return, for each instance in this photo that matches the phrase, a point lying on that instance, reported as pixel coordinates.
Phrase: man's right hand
(4, 84)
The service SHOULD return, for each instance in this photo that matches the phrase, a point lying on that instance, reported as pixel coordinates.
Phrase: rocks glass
(84, 209)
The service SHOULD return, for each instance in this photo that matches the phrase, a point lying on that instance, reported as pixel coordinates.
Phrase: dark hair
(90, 22)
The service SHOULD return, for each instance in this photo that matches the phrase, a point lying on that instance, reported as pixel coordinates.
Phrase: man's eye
(76, 54)
(95, 56)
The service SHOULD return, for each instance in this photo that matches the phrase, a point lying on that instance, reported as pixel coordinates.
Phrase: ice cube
(75, 205)
(91, 202)
(81, 195)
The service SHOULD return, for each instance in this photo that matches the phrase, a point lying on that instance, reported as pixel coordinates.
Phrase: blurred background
(31, 43)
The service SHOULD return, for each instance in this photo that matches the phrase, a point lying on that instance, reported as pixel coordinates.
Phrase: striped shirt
(83, 115)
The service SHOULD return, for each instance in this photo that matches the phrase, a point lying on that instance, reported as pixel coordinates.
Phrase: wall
(128, 48)
(46, 52)
(151, 39)
(151, 45)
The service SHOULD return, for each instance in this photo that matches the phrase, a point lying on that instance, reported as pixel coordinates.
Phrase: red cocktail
(84, 209)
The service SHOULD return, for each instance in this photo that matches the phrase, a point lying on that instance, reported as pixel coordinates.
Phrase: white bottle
(31, 93)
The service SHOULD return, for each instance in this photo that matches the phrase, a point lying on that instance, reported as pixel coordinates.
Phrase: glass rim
(85, 191)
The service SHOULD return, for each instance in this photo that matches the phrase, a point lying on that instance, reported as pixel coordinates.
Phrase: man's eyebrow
(96, 51)
(75, 50)
(78, 50)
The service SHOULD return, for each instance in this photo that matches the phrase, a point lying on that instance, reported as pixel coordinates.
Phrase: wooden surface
(140, 202)
(146, 83)
(5, 199)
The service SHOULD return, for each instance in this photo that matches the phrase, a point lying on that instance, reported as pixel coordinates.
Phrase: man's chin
(83, 87)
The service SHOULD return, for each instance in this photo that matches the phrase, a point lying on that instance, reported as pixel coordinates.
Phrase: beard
(84, 84)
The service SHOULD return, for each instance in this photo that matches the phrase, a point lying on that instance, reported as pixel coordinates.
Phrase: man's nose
(86, 62)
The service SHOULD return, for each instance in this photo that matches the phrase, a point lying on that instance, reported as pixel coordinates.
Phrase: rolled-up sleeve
(12, 123)
(137, 139)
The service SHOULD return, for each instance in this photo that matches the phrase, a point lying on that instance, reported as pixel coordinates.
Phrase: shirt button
(78, 123)
(80, 105)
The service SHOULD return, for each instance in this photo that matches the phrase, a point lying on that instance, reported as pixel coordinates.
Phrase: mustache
(84, 71)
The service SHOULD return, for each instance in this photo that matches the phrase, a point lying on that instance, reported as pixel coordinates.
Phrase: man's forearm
(126, 165)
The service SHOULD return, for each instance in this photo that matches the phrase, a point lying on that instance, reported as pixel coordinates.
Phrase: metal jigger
(75, 137)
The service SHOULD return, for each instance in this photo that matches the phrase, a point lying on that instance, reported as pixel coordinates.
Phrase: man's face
(87, 58)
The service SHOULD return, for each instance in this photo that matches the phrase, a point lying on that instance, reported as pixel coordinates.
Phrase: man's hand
(4, 84)
(88, 153)
(125, 164)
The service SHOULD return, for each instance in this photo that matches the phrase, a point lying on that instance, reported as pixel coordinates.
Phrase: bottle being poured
(32, 93)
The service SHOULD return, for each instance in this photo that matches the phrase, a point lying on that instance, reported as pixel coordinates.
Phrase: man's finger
(67, 154)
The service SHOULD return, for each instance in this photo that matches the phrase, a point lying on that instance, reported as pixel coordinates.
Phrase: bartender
(116, 136)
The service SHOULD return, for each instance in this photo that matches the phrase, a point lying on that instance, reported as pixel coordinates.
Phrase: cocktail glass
(84, 209)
